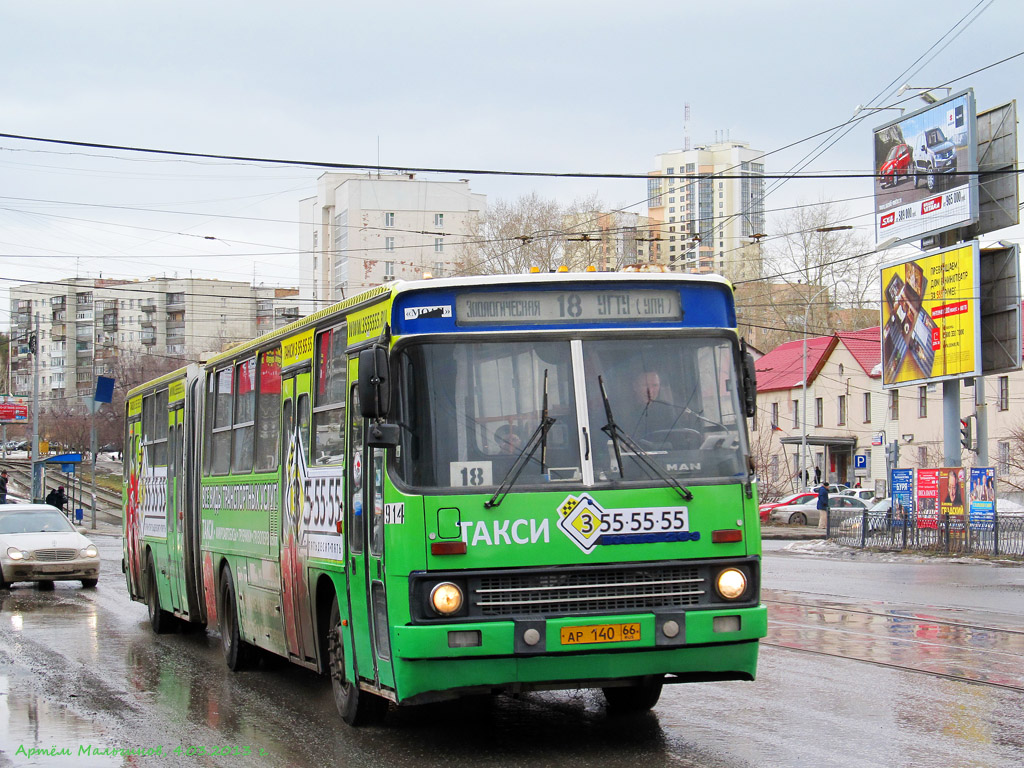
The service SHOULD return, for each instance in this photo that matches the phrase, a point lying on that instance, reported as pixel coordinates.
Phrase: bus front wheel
(356, 707)
(634, 698)
(237, 653)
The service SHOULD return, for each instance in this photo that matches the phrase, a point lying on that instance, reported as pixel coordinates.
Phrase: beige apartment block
(88, 325)
(709, 204)
(362, 230)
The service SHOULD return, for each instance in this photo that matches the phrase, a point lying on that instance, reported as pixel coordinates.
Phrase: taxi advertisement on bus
(930, 327)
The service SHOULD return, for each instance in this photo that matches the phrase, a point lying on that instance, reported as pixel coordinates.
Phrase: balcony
(147, 322)
(149, 305)
(110, 324)
(106, 353)
(149, 339)
(175, 302)
(84, 350)
(58, 332)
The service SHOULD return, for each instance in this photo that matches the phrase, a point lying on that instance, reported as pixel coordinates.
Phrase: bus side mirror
(749, 381)
(374, 383)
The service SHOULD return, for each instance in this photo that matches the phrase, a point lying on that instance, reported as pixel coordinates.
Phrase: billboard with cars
(925, 167)
(930, 326)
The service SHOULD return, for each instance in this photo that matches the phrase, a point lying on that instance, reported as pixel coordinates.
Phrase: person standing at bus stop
(57, 498)
(3, 487)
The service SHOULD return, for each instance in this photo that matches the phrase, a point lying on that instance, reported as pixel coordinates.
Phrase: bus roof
(392, 289)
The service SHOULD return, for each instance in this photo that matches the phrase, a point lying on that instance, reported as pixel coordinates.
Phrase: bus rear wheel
(634, 698)
(160, 620)
(356, 707)
(237, 653)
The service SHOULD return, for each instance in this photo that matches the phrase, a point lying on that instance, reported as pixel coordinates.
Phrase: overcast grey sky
(561, 85)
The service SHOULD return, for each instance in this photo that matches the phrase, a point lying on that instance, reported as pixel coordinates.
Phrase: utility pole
(37, 479)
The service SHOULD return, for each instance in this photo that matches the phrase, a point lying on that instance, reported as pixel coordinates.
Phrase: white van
(934, 155)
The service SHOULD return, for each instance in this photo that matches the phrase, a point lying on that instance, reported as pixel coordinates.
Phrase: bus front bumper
(439, 661)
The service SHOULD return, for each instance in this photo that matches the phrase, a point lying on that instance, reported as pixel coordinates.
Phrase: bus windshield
(467, 411)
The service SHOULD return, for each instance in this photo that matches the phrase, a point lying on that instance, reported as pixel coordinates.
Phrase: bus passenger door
(365, 567)
(175, 518)
(298, 626)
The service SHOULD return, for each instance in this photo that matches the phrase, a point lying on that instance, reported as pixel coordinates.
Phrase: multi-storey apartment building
(709, 202)
(363, 230)
(86, 325)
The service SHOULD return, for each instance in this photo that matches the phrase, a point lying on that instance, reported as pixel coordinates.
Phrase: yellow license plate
(600, 633)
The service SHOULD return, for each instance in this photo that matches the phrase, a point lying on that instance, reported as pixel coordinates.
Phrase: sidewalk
(792, 532)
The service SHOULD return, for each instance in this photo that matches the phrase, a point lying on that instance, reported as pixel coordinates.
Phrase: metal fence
(948, 535)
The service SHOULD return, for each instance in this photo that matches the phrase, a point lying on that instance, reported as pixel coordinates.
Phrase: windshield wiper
(539, 437)
(614, 431)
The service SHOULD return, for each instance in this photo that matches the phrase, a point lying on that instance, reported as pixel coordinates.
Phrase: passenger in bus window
(507, 439)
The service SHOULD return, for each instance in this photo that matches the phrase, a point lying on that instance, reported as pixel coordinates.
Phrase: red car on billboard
(896, 164)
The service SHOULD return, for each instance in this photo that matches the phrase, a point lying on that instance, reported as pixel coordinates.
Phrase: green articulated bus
(463, 485)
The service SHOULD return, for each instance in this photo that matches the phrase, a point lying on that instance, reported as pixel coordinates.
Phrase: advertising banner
(928, 498)
(902, 484)
(923, 161)
(982, 497)
(952, 495)
(13, 409)
(930, 326)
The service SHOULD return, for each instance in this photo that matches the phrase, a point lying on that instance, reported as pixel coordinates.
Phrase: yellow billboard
(930, 322)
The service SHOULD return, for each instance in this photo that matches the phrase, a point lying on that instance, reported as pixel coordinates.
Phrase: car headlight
(16, 554)
(731, 583)
(90, 551)
(446, 598)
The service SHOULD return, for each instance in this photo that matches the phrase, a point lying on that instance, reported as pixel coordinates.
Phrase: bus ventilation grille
(587, 591)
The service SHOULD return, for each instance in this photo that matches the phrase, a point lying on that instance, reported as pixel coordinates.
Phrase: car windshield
(934, 137)
(34, 521)
(468, 410)
(894, 152)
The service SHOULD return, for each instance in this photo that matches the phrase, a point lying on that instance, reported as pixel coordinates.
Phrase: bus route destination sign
(543, 307)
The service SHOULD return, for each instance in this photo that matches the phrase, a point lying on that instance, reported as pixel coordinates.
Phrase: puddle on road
(34, 731)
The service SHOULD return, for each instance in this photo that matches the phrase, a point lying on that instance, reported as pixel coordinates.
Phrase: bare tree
(830, 267)
(512, 237)
(769, 455)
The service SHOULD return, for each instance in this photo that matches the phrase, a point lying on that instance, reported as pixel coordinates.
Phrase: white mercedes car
(38, 543)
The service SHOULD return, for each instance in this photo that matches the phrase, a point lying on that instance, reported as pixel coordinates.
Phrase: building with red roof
(845, 406)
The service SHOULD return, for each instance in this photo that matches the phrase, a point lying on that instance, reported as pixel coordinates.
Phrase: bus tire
(160, 620)
(237, 653)
(356, 707)
(634, 698)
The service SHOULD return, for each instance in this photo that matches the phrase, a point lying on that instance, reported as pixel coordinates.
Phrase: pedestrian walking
(3, 487)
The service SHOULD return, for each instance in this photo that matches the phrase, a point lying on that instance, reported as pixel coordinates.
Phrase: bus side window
(355, 474)
(302, 413)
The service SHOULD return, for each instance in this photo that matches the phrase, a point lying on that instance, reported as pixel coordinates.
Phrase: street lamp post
(803, 386)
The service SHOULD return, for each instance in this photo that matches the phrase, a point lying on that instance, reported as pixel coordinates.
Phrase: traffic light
(965, 433)
(33, 345)
(892, 453)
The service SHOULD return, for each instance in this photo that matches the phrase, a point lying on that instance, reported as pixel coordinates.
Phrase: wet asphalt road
(868, 662)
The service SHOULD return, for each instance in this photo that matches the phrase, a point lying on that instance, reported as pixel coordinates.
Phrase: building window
(819, 412)
(894, 404)
(796, 414)
(389, 269)
(1004, 393)
(389, 244)
(1003, 467)
(775, 466)
(922, 456)
(438, 245)
(922, 402)
(867, 407)
(842, 410)
(438, 219)
(775, 415)
(389, 219)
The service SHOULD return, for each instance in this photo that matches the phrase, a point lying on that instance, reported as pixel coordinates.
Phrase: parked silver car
(808, 514)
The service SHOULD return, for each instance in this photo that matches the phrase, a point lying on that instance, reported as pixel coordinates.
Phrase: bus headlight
(731, 583)
(446, 598)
